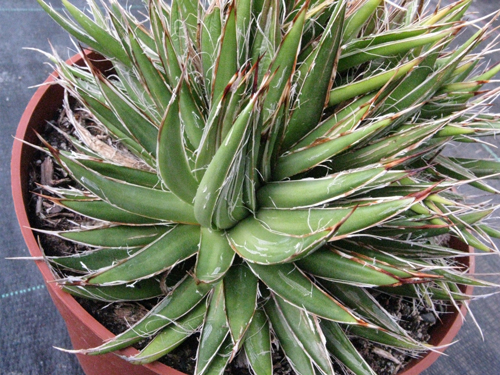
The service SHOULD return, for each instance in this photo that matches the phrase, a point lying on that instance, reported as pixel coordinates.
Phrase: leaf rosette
(281, 159)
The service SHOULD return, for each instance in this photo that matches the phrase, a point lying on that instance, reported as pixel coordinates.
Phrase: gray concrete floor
(30, 325)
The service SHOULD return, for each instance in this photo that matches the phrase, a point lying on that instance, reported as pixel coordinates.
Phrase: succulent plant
(270, 164)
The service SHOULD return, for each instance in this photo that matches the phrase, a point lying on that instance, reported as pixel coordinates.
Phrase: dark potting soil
(117, 317)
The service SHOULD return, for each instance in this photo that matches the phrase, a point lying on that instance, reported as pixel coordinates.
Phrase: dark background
(29, 323)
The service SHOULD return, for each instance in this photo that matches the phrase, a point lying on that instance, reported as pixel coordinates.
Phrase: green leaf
(389, 36)
(362, 301)
(182, 299)
(273, 131)
(132, 87)
(152, 203)
(254, 242)
(251, 175)
(445, 13)
(120, 24)
(211, 30)
(490, 231)
(342, 348)
(316, 21)
(244, 21)
(141, 32)
(220, 119)
(398, 248)
(471, 240)
(447, 167)
(98, 209)
(163, 42)
(214, 332)
(306, 329)
(99, 17)
(93, 260)
(283, 64)
(116, 236)
(359, 55)
(215, 256)
(222, 358)
(306, 158)
(267, 34)
(386, 338)
(173, 247)
(171, 336)
(426, 79)
(257, 344)
(184, 20)
(396, 145)
(126, 174)
(240, 289)
(337, 266)
(311, 192)
(226, 64)
(417, 291)
(87, 31)
(275, 236)
(153, 79)
(190, 112)
(293, 286)
(137, 124)
(173, 163)
(356, 21)
(298, 359)
(105, 115)
(487, 74)
(346, 119)
(374, 82)
(316, 80)
(223, 169)
(142, 290)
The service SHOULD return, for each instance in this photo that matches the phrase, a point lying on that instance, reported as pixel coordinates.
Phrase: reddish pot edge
(84, 330)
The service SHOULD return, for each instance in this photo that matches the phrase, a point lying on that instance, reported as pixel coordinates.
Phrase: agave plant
(272, 163)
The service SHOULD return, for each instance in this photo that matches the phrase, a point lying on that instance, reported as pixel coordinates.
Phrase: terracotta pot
(83, 329)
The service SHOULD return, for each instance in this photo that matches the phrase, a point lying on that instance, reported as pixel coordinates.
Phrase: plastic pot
(84, 330)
